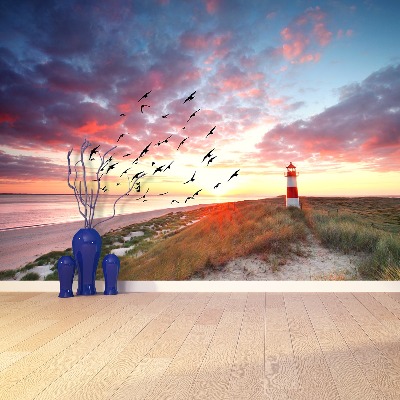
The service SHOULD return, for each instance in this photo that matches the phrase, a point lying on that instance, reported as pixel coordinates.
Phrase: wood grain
(289, 346)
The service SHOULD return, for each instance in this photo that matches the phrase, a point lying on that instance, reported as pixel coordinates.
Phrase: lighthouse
(292, 197)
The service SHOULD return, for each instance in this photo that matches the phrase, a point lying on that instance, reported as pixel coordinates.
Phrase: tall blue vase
(110, 266)
(86, 246)
(66, 271)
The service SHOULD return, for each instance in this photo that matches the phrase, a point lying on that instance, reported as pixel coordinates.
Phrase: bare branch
(130, 187)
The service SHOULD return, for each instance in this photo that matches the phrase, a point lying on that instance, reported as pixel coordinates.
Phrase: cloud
(304, 35)
(363, 127)
(29, 168)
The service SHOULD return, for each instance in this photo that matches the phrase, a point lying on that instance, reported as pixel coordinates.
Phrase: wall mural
(205, 140)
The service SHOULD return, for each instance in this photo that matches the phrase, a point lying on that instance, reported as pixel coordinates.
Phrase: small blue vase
(86, 246)
(66, 271)
(110, 266)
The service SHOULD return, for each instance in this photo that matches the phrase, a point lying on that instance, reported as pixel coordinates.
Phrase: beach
(21, 246)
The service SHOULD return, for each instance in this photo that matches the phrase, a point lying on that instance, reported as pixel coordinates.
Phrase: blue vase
(110, 266)
(86, 246)
(66, 271)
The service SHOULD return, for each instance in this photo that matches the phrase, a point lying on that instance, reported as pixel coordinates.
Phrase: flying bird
(144, 96)
(174, 201)
(215, 187)
(211, 132)
(93, 151)
(162, 194)
(164, 141)
(138, 175)
(122, 115)
(208, 154)
(164, 116)
(125, 171)
(126, 155)
(141, 107)
(169, 166)
(193, 114)
(135, 161)
(234, 174)
(120, 136)
(188, 198)
(191, 179)
(104, 189)
(159, 169)
(183, 141)
(142, 197)
(197, 193)
(112, 166)
(191, 97)
(211, 160)
(145, 150)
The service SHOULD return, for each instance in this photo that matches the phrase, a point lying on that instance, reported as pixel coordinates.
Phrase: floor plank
(278, 346)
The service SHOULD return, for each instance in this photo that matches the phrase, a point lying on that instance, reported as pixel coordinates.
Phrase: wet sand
(21, 246)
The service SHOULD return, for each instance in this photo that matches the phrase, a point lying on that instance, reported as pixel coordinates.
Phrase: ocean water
(22, 211)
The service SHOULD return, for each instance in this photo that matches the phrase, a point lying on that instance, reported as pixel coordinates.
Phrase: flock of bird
(109, 164)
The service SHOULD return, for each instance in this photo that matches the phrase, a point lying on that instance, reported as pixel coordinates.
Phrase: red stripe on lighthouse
(292, 192)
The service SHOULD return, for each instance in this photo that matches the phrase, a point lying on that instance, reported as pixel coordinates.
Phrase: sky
(312, 83)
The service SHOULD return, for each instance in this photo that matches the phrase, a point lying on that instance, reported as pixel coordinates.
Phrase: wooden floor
(200, 346)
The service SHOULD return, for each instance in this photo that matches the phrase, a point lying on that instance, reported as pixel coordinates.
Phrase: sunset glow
(316, 84)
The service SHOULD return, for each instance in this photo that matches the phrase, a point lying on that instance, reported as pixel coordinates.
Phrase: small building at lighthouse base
(292, 202)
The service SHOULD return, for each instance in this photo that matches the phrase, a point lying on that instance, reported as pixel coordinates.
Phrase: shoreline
(21, 246)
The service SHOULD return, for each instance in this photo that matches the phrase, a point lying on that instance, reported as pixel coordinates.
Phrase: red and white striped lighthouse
(292, 197)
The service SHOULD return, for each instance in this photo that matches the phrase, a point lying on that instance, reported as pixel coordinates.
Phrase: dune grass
(224, 232)
(357, 229)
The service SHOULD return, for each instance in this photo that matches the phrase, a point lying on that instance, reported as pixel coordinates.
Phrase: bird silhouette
(193, 114)
(159, 169)
(104, 189)
(174, 201)
(145, 150)
(191, 179)
(183, 141)
(122, 115)
(121, 136)
(126, 155)
(215, 187)
(211, 160)
(211, 132)
(145, 95)
(135, 161)
(142, 197)
(112, 166)
(164, 116)
(93, 151)
(234, 174)
(190, 97)
(164, 141)
(197, 193)
(162, 194)
(125, 171)
(138, 175)
(188, 198)
(141, 107)
(208, 154)
(169, 166)
(118, 183)
(153, 163)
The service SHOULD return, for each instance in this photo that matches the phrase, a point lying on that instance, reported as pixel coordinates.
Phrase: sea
(18, 211)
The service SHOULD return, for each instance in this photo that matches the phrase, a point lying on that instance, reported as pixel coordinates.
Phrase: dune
(21, 246)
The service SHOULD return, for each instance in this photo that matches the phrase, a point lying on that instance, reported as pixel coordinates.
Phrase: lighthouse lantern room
(292, 197)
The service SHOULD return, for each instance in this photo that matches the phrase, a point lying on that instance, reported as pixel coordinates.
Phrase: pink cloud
(212, 6)
(304, 35)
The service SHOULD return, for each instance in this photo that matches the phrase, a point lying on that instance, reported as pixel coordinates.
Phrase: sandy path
(20, 246)
(316, 263)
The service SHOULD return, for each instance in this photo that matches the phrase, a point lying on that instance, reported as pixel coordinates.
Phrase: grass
(224, 232)
(357, 228)
(30, 276)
